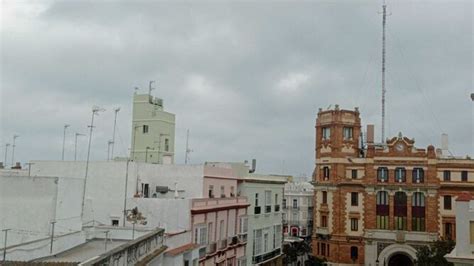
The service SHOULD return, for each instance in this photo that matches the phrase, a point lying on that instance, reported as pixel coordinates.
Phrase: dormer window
(347, 133)
(326, 133)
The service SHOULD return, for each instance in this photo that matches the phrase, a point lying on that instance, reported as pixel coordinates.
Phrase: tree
(290, 254)
(434, 254)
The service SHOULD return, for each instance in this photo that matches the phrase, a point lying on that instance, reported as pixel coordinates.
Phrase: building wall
(267, 222)
(340, 156)
(149, 111)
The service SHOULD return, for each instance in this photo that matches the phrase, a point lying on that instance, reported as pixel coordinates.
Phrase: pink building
(219, 220)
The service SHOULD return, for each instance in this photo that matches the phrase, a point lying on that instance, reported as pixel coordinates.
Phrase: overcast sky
(247, 78)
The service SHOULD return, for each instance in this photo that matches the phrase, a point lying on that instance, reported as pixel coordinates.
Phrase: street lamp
(13, 149)
(75, 144)
(64, 140)
(95, 111)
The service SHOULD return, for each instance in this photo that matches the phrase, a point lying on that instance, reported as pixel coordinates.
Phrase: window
(222, 230)
(257, 243)
(265, 243)
(464, 176)
(115, 222)
(256, 199)
(209, 232)
(232, 194)
(167, 144)
(211, 191)
(447, 175)
(145, 129)
(382, 210)
(471, 232)
(354, 174)
(323, 249)
(257, 209)
(244, 225)
(146, 190)
(354, 224)
(222, 192)
(400, 211)
(295, 203)
(277, 237)
(447, 202)
(326, 133)
(382, 174)
(324, 221)
(200, 235)
(325, 197)
(400, 174)
(326, 172)
(418, 211)
(354, 253)
(448, 231)
(418, 175)
(284, 203)
(268, 201)
(348, 133)
(354, 199)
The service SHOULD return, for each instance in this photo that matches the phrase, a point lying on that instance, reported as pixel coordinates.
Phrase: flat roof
(88, 250)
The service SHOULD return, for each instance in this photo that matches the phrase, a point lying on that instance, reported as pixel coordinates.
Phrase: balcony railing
(266, 256)
(322, 230)
(243, 237)
(202, 252)
(211, 248)
(234, 240)
(221, 244)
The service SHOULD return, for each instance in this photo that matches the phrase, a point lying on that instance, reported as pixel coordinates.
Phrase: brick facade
(413, 174)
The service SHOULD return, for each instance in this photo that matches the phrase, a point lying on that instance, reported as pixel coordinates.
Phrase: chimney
(370, 134)
(254, 166)
(444, 143)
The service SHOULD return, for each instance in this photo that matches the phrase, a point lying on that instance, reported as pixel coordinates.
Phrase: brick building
(376, 203)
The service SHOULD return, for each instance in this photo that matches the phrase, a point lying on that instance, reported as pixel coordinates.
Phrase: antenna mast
(384, 18)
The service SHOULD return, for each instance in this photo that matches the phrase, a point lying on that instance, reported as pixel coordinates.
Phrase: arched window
(354, 253)
(418, 211)
(382, 174)
(400, 175)
(418, 175)
(382, 210)
(400, 211)
(325, 172)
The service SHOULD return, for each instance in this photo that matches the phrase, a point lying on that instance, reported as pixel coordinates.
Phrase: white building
(463, 252)
(298, 209)
(265, 235)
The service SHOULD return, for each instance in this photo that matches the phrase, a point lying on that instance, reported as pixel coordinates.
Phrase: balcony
(277, 208)
(211, 248)
(322, 230)
(222, 244)
(216, 204)
(243, 237)
(257, 210)
(266, 256)
(234, 240)
(202, 252)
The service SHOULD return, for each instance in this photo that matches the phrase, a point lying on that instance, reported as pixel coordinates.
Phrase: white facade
(265, 229)
(298, 209)
(463, 252)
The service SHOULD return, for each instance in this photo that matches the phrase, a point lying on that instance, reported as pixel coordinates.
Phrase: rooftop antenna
(384, 19)
(188, 150)
(150, 88)
(116, 110)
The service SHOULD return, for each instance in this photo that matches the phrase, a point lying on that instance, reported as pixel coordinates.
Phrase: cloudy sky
(246, 78)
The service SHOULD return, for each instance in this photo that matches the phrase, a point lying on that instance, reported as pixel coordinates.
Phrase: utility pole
(384, 19)
(64, 140)
(75, 145)
(29, 168)
(13, 149)
(52, 237)
(6, 153)
(106, 237)
(116, 110)
(95, 111)
(5, 244)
